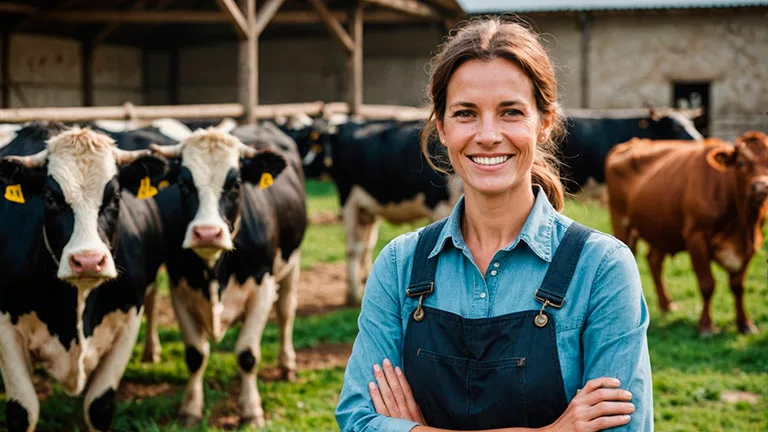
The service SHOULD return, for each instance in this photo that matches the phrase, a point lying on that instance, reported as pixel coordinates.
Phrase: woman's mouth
(490, 161)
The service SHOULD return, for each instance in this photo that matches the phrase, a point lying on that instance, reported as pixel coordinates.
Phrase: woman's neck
(491, 223)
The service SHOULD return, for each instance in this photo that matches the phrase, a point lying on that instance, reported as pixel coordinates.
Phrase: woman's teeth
(496, 160)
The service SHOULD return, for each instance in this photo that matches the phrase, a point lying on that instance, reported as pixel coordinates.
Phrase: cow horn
(32, 161)
(246, 151)
(125, 157)
(227, 125)
(170, 152)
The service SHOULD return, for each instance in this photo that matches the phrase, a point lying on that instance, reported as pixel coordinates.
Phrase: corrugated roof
(480, 6)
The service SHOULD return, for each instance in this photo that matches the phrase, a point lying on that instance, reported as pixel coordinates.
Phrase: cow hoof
(671, 307)
(706, 333)
(748, 328)
(287, 375)
(150, 358)
(188, 420)
(257, 422)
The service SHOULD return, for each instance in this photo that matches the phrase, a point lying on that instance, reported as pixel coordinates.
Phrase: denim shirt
(600, 330)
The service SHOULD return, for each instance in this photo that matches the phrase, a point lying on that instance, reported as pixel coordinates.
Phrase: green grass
(689, 373)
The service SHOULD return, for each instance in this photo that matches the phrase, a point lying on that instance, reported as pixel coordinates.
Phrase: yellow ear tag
(317, 148)
(146, 190)
(266, 181)
(314, 135)
(163, 184)
(13, 194)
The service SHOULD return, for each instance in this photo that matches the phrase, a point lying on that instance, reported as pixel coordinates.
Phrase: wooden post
(584, 24)
(87, 71)
(5, 74)
(355, 60)
(248, 64)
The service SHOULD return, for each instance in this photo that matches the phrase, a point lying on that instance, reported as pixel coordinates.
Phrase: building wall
(47, 72)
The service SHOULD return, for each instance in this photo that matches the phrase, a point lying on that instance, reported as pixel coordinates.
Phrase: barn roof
(483, 6)
(172, 23)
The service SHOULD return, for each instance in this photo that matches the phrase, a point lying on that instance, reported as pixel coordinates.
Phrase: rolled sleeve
(379, 337)
(614, 337)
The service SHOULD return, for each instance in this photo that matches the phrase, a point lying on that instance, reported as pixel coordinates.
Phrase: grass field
(692, 377)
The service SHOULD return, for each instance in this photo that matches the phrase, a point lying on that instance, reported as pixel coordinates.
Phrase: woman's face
(491, 126)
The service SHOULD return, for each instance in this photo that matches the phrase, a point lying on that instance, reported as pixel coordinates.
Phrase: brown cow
(707, 199)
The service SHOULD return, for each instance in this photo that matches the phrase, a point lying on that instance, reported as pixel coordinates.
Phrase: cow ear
(144, 177)
(21, 180)
(262, 168)
(720, 158)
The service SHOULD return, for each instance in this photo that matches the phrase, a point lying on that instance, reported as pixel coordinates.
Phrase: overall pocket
(497, 393)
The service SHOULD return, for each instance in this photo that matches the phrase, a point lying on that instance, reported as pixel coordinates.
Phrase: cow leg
(196, 353)
(248, 347)
(287, 301)
(355, 249)
(737, 288)
(99, 402)
(370, 232)
(22, 408)
(698, 248)
(152, 345)
(656, 264)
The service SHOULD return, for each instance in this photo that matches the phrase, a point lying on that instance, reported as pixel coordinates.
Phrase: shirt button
(482, 295)
(494, 272)
(496, 265)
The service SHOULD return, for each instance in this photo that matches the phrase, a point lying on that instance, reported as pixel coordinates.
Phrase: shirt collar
(536, 232)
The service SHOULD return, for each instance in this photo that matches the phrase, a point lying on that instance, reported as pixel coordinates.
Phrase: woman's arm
(379, 337)
(614, 334)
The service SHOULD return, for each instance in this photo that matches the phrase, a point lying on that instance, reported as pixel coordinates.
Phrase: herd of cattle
(91, 214)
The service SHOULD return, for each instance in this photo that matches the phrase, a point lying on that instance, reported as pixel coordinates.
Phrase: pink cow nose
(87, 263)
(206, 235)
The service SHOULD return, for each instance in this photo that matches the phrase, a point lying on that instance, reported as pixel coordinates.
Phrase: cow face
(75, 180)
(749, 158)
(673, 125)
(213, 166)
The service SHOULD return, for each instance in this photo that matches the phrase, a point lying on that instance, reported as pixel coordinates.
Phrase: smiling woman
(506, 314)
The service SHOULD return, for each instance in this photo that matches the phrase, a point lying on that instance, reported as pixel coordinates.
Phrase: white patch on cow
(727, 256)
(8, 133)
(16, 370)
(298, 121)
(82, 163)
(403, 211)
(687, 125)
(116, 125)
(172, 128)
(209, 155)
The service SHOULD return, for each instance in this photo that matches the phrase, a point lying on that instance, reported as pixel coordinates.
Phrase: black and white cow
(589, 138)
(78, 253)
(380, 173)
(233, 239)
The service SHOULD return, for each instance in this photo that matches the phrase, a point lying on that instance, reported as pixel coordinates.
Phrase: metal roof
(480, 6)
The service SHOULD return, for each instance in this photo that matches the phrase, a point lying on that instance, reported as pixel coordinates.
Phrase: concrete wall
(47, 71)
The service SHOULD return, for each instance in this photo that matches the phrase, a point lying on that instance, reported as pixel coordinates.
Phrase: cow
(380, 173)
(235, 216)
(79, 251)
(589, 138)
(709, 200)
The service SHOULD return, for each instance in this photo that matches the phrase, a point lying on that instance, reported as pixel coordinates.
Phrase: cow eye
(740, 164)
(51, 201)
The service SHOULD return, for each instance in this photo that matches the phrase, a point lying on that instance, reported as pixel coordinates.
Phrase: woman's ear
(547, 119)
(440, 130)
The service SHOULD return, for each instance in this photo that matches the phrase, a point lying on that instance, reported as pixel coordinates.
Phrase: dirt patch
(132, 390)
(319, 357)
(327, 217)
(733, 397)
(322, 289)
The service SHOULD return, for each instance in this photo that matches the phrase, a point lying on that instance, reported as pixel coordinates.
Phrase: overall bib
(487, 373)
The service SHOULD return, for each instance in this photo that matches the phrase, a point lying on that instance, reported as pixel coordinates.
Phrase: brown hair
(487, 39)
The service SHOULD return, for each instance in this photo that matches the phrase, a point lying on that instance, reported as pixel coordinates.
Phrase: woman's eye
(463, 113)
(512, 113)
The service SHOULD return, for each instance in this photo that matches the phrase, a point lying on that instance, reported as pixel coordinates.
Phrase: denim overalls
(487, 373)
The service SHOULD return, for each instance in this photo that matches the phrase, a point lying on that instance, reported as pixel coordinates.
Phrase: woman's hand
(393, 396)
(599, 405)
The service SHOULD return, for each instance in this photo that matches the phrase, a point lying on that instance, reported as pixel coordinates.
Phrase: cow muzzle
(759, 191)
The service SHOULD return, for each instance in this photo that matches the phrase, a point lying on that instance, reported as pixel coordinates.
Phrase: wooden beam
(333, 25)
(267, 13)
(235, 15)
(111, 27)
(410, 7)
(248, 65)
(21, 115)
(5, 73)
(355, 60)
(18, 8)
(86, 64)
(145, 17)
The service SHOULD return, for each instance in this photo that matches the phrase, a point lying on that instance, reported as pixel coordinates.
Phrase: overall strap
(561, 269)
(423, 268)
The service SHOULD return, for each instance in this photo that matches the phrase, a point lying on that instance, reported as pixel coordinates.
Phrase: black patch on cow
(193, 358)
(229, 202)
(138, 139)
(16, 416)
(266, 161)
(102, 410)
(246, 360)
(31, 138)
(154, 167)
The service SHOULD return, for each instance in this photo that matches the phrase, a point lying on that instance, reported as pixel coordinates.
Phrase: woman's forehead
(495, 79)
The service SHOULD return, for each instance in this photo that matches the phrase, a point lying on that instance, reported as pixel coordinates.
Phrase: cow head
(75, 180)
(749, 159)
(213, 165)
(670, 124)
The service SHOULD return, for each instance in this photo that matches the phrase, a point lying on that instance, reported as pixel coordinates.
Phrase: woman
(507, 314)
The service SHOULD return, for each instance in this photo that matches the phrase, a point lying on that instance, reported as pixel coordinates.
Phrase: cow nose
(207, 234)
(760, 188)
(87, 263)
